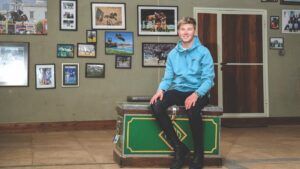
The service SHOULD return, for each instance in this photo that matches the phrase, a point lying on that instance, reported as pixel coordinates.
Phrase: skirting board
(110, 124)
(259, 122)
(57, 126)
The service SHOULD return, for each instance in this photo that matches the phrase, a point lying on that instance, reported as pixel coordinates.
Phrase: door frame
(219, 12)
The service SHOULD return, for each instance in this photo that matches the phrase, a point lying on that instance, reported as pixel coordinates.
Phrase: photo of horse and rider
(23, 17)
(155, 54)
(108, 16)
(154, 20)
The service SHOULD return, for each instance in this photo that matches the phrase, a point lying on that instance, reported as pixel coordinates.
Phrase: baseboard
(57, 126)
(259, 122)
(110, 124)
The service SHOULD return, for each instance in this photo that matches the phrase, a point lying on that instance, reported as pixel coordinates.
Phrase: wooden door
(241, 60)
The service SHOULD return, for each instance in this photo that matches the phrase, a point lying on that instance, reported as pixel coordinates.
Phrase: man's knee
(157, 107)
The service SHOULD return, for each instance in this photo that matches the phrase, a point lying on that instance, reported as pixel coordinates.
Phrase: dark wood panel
(242, 38)
(207, 32)
(243, 89)
(259, 121)
(57, 126)
(214, 91)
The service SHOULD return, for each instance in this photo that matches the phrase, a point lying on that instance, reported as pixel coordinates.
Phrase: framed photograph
(123, 62)
(45, 76)
(65, 51)
(87, 50)
(108, 15)
(269, 0)
(70, 75)
(119, 43)
(23, 17)
(91, 36)
(68, 15)
(290, 21)
(290, 2)
(95, 70)
(274, 22)
(14, 63)
(155, 54)
(157, 20)
(276, 43)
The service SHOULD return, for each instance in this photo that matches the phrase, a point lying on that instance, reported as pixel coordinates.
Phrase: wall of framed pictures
(96, 54)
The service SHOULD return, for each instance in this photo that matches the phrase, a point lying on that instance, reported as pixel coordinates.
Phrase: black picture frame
(14, 64)
(63, 50)
(84, 52)
(95, 70)
(154, 54)
(147, 24)
(70, 75)
(274, 22)
(107, 23)
(119, 43)
(91, 36)
(67, 15)
(290, 2)
(123, 62)
(276, 43)
(45, 76)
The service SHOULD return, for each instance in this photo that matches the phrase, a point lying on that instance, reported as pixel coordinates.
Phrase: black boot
(181, 154)
(197, 162)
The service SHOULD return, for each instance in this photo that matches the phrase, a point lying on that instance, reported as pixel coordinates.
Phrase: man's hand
(191, 101)
(158, 95)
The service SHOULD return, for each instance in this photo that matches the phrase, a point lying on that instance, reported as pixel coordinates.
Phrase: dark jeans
(174, 97)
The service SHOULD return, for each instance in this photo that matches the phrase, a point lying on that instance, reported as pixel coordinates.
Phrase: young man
(188, 77)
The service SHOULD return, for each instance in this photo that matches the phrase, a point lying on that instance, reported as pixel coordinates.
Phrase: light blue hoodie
(189, 69)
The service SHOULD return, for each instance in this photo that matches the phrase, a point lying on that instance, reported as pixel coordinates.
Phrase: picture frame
(108, 15)
(45, 76)
(68, 15)
(95, 70)
(155, 54)
(269, 0)
(86, 50)
(290, 2)
(70, 75)
(91, 36)
(157, 20)
(276, 43)
(123, 62)
(65, 50)
(274, 22)
(14, 64)
(23, 17)
(119, 43)
(290, 21)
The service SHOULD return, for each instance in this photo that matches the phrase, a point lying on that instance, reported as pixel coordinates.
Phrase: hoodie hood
(196, 43)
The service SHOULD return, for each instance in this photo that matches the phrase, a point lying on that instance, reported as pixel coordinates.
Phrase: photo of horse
(119, 43)
(155, 20)
(95, 70)
(108, 16)
(16, 18)
(86, 50)
(155, 54)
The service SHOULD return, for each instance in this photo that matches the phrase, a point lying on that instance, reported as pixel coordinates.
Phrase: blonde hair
(186, 20)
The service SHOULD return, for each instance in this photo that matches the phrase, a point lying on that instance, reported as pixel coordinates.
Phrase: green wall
(96, 99)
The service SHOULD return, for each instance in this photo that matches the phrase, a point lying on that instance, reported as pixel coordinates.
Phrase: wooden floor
(273, 147)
